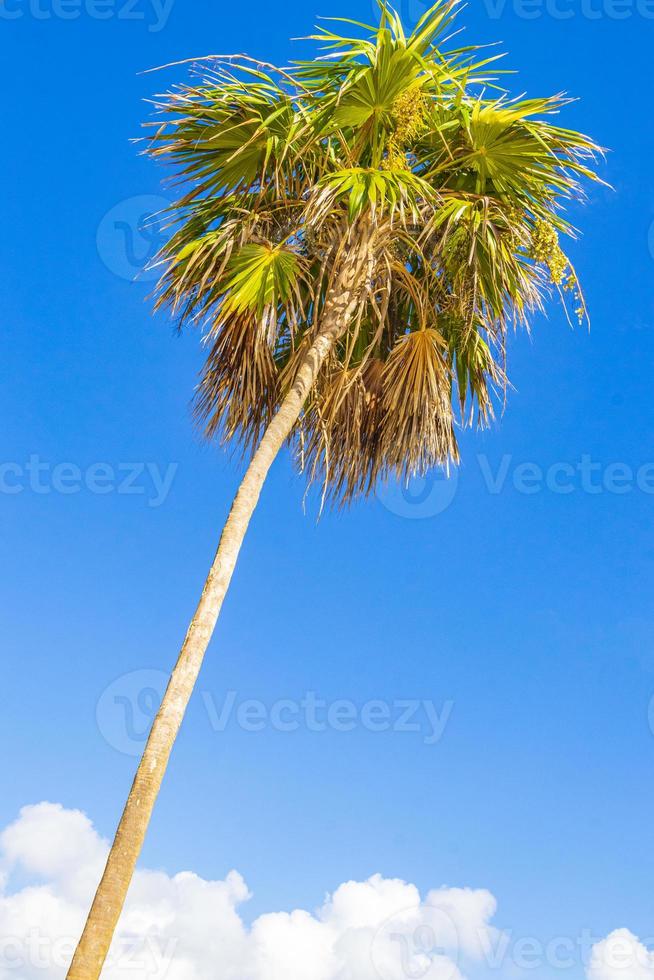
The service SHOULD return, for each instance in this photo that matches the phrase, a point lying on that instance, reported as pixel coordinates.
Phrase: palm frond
(464, 190)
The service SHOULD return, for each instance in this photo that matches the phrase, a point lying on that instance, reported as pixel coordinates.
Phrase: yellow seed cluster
(571, 285)
(395, 158)
(545, 248)
(409, 112)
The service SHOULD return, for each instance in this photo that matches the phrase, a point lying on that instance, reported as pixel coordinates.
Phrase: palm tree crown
(461, 189)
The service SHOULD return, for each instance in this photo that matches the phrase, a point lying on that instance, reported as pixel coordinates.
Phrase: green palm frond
(377, 191)
(463, 188)
(260, 277)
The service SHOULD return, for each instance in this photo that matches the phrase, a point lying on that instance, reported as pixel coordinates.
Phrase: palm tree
(357, 234)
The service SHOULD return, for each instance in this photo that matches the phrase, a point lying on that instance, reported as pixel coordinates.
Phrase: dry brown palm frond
(418, 427)
(392, 417)
(237, 394)
(343, 426)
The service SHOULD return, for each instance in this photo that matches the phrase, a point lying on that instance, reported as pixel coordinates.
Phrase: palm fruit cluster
(409, 112)
(545, 248)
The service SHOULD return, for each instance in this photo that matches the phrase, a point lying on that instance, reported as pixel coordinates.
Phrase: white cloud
(187, 928)
(621, 956)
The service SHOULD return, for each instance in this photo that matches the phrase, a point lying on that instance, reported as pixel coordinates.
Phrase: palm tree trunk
(93, 947)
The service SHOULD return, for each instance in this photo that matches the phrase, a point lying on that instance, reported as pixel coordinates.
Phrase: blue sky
(525, 616)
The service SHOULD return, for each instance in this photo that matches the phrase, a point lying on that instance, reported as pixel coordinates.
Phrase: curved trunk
(107, 906)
